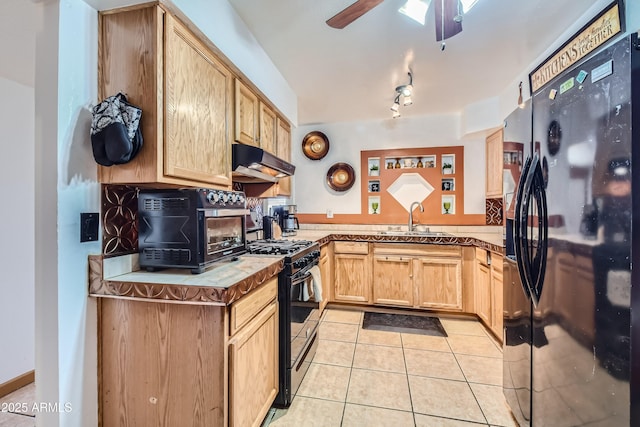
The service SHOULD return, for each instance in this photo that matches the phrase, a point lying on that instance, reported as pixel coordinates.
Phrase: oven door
(303, 320)
(223, 237)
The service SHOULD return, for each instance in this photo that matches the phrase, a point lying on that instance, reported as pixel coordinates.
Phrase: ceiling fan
(448, 15)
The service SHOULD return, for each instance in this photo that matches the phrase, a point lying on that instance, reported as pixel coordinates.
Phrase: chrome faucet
(411, 214)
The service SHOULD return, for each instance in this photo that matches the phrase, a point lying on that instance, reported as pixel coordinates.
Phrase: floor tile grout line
(455, 355)
(346, 396)
(406, 371)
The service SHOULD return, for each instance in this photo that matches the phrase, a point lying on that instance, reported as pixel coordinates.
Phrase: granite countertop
(221, 284)
(490, 241)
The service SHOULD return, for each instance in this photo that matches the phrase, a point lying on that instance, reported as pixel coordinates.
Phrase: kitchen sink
(415, 233)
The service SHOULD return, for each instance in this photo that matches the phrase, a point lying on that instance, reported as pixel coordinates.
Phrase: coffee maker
(287, 220)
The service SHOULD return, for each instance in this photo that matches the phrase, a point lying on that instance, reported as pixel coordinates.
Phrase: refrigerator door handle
(542, 244)
(519, 216)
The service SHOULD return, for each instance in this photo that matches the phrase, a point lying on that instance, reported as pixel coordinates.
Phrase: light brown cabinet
(247, 115)
(439, 283)
(352, 272)
(325, 274)
(185, 97)
(283, 150)
(496, 295)
(161, 361)
(489, 289)
(393, 280)
(268, 128)
(495, 164)
(253, 364)
(416, 275)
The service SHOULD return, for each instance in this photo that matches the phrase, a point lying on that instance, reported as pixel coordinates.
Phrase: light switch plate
(89, 227)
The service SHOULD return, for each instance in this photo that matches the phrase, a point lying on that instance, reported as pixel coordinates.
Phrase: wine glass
(374, 206)
(446, 206)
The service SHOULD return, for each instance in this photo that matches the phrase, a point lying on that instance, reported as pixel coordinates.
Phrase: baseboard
(17, 382)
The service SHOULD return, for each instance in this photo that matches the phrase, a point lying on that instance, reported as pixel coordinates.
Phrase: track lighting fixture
(405, 91)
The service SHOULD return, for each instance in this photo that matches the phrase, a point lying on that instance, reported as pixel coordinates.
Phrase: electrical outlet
(89, 227)
(329, 213)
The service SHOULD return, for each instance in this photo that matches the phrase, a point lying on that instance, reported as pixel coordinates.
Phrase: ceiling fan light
(396, 114)
(415, 9)
(407, 90)
(407, 101)
(395, 106)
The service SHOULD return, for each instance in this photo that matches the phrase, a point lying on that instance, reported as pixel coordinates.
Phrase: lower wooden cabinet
(416, 275)
(325, 274)
(497, 311)
(352, 272)
(173, 364)
(393, 280)
(253, 369)
(488, 290)
(483, 292)
(439, 283)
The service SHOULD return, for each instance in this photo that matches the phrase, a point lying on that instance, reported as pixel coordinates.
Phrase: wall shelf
(406, 175)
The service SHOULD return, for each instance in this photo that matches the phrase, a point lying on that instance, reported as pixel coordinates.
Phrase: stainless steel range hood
(252, 164)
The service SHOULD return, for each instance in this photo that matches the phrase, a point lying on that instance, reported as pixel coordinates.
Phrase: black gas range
(299, 310)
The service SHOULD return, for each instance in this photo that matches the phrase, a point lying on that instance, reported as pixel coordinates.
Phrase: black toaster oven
(190, 228)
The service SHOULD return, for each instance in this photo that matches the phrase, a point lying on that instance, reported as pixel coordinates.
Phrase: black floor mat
(405, 323)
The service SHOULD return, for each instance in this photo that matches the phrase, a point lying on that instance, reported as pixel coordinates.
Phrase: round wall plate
(341, 177)
(315, 145)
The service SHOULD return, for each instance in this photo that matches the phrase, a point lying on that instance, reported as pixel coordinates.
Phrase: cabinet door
(283, 150)
(253, 369)
(268, 127)
(496, 295)
(246, 115)
(197, 99)
(393, 280)
(495, 164)
(352, 280)
(439, 283)
(325, 274)
(483, 292)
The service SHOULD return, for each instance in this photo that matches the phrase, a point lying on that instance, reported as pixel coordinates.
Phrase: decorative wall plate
(341, 177)
(315, 145)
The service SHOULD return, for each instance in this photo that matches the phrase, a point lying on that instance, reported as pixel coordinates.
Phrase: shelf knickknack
(384, 194)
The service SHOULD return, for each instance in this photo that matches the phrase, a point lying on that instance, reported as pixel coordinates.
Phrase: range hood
(252, 164)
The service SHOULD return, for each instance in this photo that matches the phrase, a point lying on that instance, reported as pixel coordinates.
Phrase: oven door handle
(217, 213)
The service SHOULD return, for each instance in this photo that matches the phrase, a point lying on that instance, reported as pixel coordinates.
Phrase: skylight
(467, 5)
(416, 9)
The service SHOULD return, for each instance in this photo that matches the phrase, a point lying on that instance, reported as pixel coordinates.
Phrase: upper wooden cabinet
(184, 92)
(268, 128)
(495, 164)
(246, 115)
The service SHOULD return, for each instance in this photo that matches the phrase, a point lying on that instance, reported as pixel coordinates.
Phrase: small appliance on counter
(287, 220)
(190, 228)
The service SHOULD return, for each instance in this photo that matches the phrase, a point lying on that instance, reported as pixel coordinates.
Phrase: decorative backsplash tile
(119, 220)
(493, 211)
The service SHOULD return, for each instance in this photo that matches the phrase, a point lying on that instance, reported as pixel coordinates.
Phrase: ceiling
(351, 74)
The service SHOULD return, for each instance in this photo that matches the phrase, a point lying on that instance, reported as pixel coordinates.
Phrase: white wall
(66, 84)
(17, 318)
(347, 139)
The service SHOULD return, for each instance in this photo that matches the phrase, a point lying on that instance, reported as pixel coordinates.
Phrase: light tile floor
(374, 378)
(16, 409)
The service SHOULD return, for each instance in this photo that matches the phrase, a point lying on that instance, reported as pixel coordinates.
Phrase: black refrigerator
(571, 298)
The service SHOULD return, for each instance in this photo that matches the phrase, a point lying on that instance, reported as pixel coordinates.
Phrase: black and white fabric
(116, 137)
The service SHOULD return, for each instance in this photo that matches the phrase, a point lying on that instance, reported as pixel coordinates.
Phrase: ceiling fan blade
(446, 25)
(351, 13)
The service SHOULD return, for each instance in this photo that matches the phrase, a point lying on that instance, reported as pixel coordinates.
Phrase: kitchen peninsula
(183, 349)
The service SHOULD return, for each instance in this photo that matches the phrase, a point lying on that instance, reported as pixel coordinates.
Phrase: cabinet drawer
(481, 256)
(361, 248)
(247, 307)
